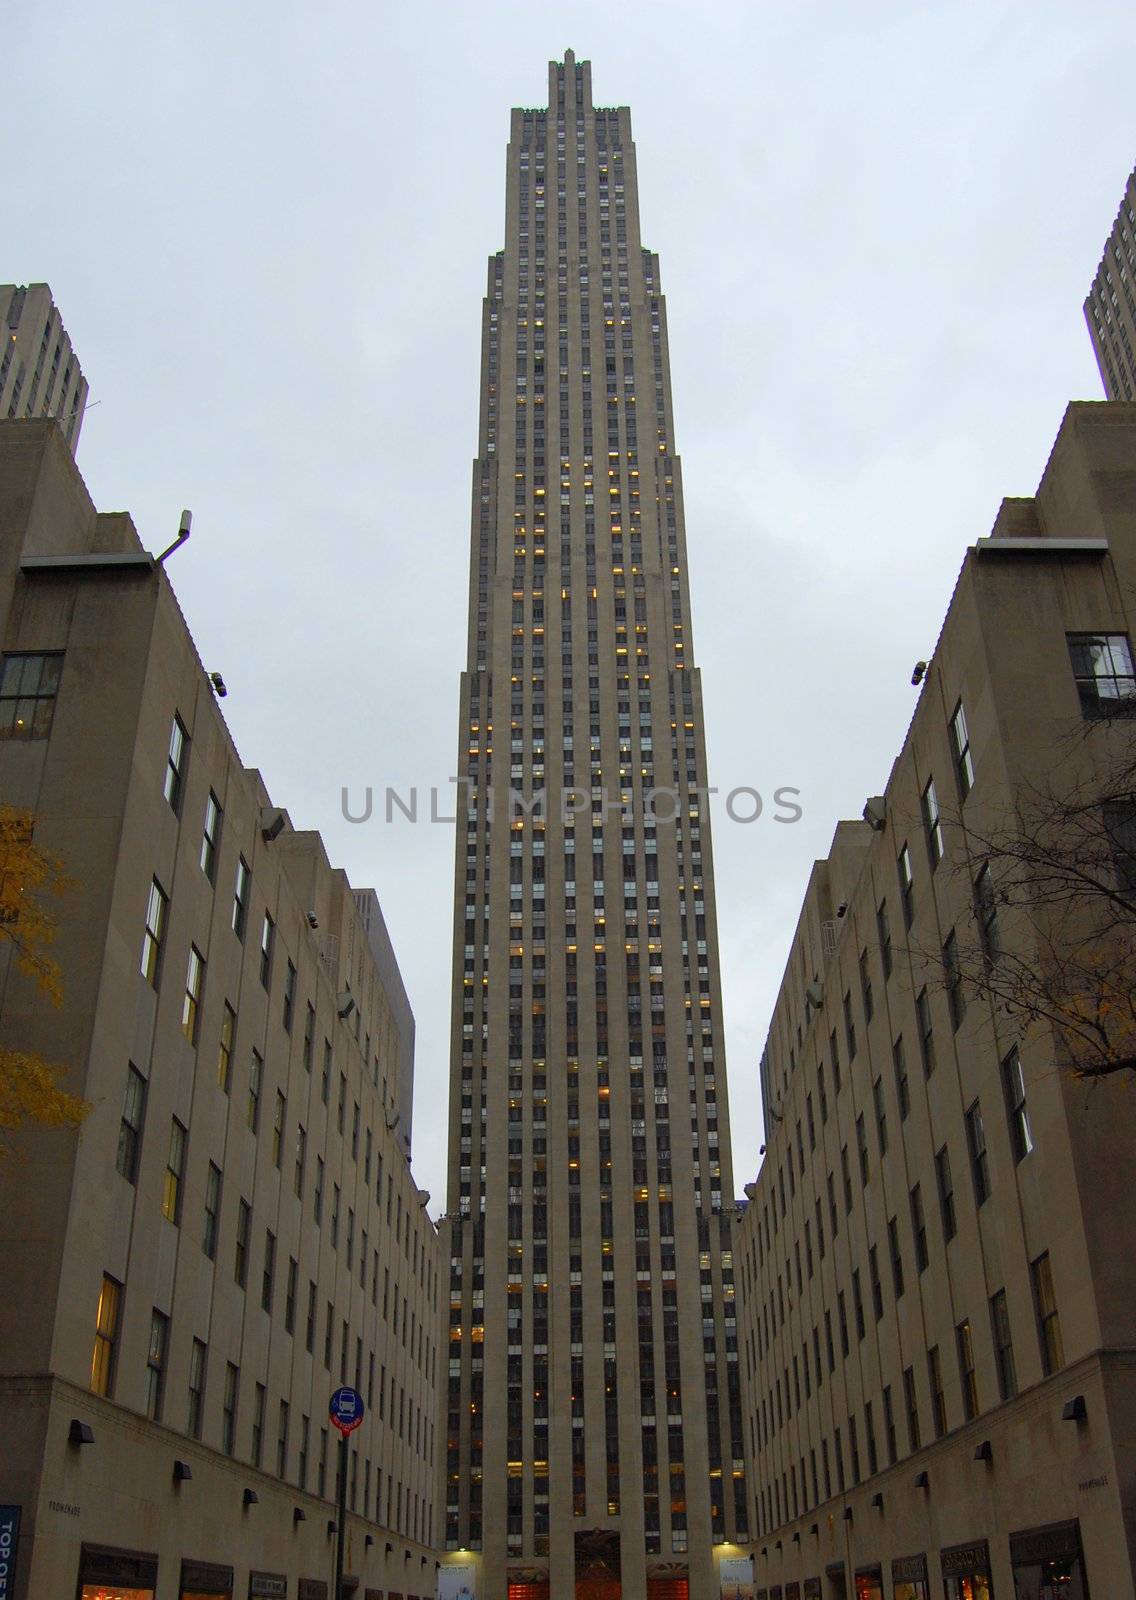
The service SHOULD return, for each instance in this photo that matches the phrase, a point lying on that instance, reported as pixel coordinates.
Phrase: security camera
(917, 672)
(313, 920)
(218, 683)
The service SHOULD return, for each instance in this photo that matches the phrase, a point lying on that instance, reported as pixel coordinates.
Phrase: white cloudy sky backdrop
(267, 225)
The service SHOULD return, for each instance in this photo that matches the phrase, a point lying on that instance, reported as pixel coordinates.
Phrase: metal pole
(341, 1520)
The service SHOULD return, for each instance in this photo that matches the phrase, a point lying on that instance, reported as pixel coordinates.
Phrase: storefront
(109, 1574)
(204, 1580)
(1048, 1563)
(909, 1578)
(869, 1583)
(966, 1571)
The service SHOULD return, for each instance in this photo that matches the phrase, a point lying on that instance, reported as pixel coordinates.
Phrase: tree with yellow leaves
(29, 877)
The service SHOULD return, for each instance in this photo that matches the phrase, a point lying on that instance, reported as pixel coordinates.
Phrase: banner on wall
(735, 1576)
(457, 1583)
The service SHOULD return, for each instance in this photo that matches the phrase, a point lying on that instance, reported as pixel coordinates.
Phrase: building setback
(39, 371)
(594, 1420)
(235, 1230)
(1110, 309)
(938, 1257)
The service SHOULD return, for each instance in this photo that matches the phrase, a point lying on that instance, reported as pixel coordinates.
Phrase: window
(290, 1296)
(1045, 1308)
(225, 1047)
(879, 1105)
(28, 686)
(1119, 818)
(911, 1404)
(175, 1172)
(317, 1191)
(194, 984)
(301, 1159)
(938, 1398)
(156, 1364)
(278, 1120)
(1003, 1346)
(157, 906)
(256, 1076)
(919, 1229)
(866, 987)
(197, 1357)
(964, 1340)
(946, 1189)
(889, 1426)
(1013, 1081)
(212, 1211)
(896, 1258)
(106, 1337)
(926, 1031)
(211, 837)
(952, 976)
(229, 1409)
(1102, 670)
(902, 1090)
(268, 1280)
(986, 916)
(175, 765)
(874, 1280)
(130, 1128)
(932, 824)
(244, 1224)
(241, 897)
(259, 1400)
(960, 744)
(267, 937)
(849, 1026)
(309, 1035)
(289, 996)
(282, 1441)
(862, 1147)
(906, 886)
(883, 931)
(979, 1161)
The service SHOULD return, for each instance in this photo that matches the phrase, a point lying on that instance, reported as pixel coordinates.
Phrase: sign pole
(346, 1411)
(341, 1518)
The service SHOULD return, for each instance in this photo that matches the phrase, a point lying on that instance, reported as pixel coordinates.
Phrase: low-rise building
(234, 1231)
(938, 1256)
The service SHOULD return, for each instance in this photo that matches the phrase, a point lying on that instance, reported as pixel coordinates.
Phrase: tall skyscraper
(1110, 309)
(594, 1418)
(39, 371)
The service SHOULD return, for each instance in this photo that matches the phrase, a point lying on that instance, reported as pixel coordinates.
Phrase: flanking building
(39, 370)
(235, 1230)
(938, 1256)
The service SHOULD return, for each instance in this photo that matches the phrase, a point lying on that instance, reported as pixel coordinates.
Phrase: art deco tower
(594, 1418)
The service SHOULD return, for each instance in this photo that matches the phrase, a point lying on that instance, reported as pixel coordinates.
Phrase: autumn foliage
(29, 880)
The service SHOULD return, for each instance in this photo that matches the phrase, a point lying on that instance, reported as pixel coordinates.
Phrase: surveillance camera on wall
(313, 920)
(218, 683)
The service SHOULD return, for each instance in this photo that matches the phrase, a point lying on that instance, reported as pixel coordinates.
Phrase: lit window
(175, 1171)
(191, 1005)
(156, 907)
(1103, 672)
(225, 1047)
(1045, 1306)
(106, 1337)
(175, 764)
(28, 686)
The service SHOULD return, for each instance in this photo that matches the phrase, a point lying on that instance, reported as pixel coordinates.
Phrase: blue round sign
(346, 1409)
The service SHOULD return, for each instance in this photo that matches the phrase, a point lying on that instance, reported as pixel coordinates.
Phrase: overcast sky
(266, 227)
